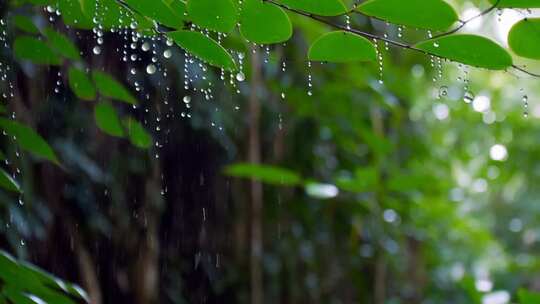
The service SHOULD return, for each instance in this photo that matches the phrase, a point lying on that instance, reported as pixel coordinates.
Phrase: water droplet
(240, 76)
(167, 53)
(145, 46)
(468, 96)
(187, 99)
(151, 69)
(436, 44)
(96, 50)
(443, 91)
(133, 71)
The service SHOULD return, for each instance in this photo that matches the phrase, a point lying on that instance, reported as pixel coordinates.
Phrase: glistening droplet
(151, 69)
(240, 76)
(468, 96)
(443, 91)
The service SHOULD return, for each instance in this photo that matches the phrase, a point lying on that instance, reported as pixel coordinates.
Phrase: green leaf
(25, 23)
(107, 119)
(205, 48)
(171, 15)
(80, 84)
(469, 49)
(137, 134)
(524, 38)
(517, 3)
(528, 297)
(8, 183)
(216, 15)
(317, 7)
(276, 27)
(37, 51)
(109, 87)
(62, 44)
(28, 139)
(341, 46)
(264, 173)
(78, 13)
(428, 14)
(19, 280)
(111, 14)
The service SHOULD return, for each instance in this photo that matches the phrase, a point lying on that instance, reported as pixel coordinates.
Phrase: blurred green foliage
(409, 179)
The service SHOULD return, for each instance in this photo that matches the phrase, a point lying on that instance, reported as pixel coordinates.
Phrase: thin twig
(390, 41)
(463, 23)
(525, 71)
(366, 34)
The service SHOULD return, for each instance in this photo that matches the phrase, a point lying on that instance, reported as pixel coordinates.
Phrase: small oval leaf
(109, 87)
(517, 3)
(205, 48)
(341, 46)
(263, 173)
(276, 27)
(28, 139)
(469, 49)
(8, 183)
(62, 44)
(25, 23)
(107, 119)
(37, 51)
(77, 13)
(80, 84)
(138, 136)
(171, 15)
(524, 38)
(216, 15)
(427, 14)
(317, 7)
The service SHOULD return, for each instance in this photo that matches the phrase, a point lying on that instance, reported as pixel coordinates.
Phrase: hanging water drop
(187, 99)
(145, 47)
(151, 69)
(468, 96)
(310, 84)
(240, 76)
(443, 91)
(167, 53)
(525, 100)
(96, 50)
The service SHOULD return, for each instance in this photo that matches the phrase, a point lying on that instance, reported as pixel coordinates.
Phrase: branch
(390, 41)
(525, 71)
(366, 34)
(343, 28)
(463, 23)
